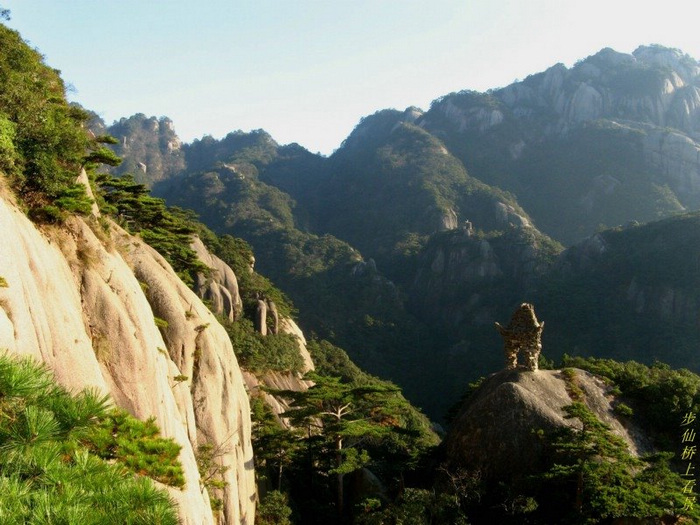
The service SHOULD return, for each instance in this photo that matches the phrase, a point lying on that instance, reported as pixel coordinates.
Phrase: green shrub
(8, 154)
(74, 199)
(623, 410)
(274, 510)
(43, 144)
(211, 472)
(48, 214)
(49, 469)
(137, 445)
(257, 353)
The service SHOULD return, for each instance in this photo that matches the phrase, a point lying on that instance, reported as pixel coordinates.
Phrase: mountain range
(151, 374)
(425, 227)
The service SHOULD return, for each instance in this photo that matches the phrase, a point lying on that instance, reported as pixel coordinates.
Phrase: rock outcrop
(258, 384)
(220, 288)
(260, 321)
(456, 268)
(151, 149)
(86, 303)
(523, 335)
(494, 432)
(614, 138)
(654, 84)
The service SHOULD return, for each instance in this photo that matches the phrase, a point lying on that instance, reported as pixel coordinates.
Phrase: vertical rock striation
(84, 302)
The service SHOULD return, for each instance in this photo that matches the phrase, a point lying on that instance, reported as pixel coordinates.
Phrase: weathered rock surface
(221, 287)
(655, 85)
(677, 157)
(76, 301)
(456, 268)
(494, 430)
(260, 320)
(151, 149)
(614, 85)
(648, 100)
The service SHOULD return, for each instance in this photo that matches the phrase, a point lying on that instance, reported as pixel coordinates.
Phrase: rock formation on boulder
(523, 334)
(261, 384)
(261, 317)
(272, 309)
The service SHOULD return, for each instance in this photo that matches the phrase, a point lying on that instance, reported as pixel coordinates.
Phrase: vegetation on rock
(498, 160)
(149, 147)
(43, 143)
(258, 353)
(71, 459)
(595, 478)
(168, 230)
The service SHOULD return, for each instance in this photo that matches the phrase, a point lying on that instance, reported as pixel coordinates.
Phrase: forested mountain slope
(610, 140)
(425, 227)
(390, 246)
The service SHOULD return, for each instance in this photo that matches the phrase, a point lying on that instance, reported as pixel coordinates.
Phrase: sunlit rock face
(622, 129)
(656, 85)
(221, 287)
(85, 302)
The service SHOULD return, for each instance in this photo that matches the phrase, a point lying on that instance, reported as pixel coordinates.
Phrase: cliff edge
(86, 298)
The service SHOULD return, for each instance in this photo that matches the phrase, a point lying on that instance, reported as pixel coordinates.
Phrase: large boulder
(496, 430)
(220, 288)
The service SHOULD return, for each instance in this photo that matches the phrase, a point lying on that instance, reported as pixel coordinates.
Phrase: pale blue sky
(306, 71)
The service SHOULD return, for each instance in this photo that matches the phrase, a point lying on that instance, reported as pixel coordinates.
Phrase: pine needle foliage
(599, 479)
(138, 446)
(274, 510)
(49, 471)
(348, 426)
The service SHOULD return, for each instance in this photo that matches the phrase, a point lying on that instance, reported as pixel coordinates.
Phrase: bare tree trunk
(279, 478)
(339, 476)
(579, 493)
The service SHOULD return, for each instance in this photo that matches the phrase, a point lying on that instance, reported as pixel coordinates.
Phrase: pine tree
(601, 479)
(344, 418)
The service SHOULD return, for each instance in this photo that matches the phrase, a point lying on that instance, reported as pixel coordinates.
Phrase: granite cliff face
(612, 139)
(653, 85)
(460, 271)
(85, 302)
(149, 146)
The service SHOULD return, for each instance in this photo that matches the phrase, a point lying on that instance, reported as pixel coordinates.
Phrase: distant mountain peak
(686, 66)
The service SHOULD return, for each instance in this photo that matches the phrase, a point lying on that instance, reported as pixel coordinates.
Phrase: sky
(307, 71)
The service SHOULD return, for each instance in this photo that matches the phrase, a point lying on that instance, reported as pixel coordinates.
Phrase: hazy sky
(306, 71)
